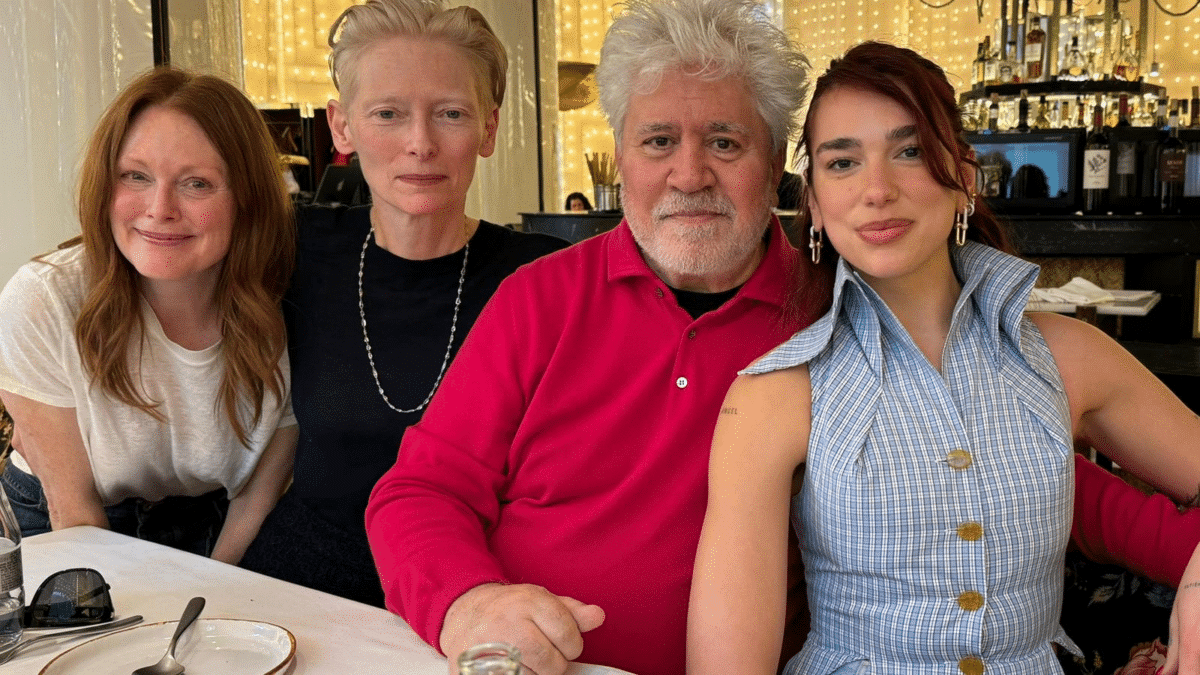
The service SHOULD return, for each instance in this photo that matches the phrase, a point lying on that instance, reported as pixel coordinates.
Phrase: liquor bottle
(970, 116)
(1172, 168)
(12, 580)
(1080, 113)
(1195, 108)
(1125, 163)
(493, 658)
(1023, 112)
(1074, 65)
(991, 62)
(979, 66)
(1035, 48)
(1160, 116)
(1010, 67)
(1057, 119)
(1095, 164)
(1042, 121)
(1125, 63)
(993, 123)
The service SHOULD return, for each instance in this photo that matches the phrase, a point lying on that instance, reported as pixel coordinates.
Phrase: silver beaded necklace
(362, 314)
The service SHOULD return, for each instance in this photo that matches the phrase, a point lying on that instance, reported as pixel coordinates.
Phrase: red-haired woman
(143, 362)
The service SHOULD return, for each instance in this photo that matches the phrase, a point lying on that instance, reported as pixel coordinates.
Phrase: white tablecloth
(333, 635)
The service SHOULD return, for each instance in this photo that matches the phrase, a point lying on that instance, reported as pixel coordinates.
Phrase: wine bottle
(1125, 164)
(1191, 171)
(1123, 112)
(1023, 112)
(1095, 164)
(1172, 168)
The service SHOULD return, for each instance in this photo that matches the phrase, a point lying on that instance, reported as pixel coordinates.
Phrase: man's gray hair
(713, 39)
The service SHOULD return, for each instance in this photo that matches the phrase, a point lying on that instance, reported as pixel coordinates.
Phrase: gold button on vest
(970, 600)
(959, 459)
(971, 665)
(970, 531)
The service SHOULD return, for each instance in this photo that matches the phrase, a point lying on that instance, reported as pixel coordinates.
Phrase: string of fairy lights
(285, 50)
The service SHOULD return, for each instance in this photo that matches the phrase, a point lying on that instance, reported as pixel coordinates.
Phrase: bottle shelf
(1065, 88)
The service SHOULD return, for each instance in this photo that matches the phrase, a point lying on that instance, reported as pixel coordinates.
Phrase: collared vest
(936, 507)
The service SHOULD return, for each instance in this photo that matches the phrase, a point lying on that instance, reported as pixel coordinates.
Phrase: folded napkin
(1077, 291)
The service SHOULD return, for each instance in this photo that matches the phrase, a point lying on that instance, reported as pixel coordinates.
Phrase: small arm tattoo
(1194, 584)
(728, 411)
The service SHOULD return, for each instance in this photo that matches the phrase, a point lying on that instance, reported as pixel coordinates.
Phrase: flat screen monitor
(1032, 172)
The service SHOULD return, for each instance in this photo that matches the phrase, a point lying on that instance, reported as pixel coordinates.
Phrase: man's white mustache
(678, 202)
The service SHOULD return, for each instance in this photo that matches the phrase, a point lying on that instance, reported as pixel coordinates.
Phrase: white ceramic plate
(209, 647)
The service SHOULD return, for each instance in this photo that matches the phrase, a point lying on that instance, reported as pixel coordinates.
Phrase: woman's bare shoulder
(773, 410)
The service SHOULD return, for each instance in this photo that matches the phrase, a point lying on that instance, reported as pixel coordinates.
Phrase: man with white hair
(552, 496)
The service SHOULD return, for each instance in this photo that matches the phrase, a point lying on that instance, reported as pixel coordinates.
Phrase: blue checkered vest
(936, 507)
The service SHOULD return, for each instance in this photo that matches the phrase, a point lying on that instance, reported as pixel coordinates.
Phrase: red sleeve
(429, 515)
(1116, 523)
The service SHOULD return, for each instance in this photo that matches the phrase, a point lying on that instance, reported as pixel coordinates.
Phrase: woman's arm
(1183, 656)
(50, 441)
(1123, 410)
(248, 510)
(739, 585)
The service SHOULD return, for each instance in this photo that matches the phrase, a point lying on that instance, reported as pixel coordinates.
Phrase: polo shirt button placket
(681, 383)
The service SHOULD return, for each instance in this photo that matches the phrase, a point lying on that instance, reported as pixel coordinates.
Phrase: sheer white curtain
(61, 62)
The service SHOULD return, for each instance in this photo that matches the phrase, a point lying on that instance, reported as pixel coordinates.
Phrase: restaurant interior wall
(60, 65)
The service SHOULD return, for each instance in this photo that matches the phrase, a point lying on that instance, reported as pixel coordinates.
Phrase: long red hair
(256, 269)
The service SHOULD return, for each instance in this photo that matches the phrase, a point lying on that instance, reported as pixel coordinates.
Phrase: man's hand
(547, 628)
(1183, 651)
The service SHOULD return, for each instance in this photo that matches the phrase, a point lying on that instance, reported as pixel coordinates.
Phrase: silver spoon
(167, 665)
(87, 630)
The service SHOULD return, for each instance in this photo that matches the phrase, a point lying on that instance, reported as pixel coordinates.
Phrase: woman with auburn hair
(385, 293)
(143, 361)
(920, 435)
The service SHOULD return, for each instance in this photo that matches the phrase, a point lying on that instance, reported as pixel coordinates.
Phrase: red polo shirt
(568, 446)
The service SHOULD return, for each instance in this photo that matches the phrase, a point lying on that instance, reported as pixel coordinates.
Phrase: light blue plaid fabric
(902, 459)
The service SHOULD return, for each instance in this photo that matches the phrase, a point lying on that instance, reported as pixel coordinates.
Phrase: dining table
(333, 635)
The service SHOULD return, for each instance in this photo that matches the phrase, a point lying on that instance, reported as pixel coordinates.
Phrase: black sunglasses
(74, 597)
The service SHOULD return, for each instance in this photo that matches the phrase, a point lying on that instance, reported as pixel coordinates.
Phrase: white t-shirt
(132, 454)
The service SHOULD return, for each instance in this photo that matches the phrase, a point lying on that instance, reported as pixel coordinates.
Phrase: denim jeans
(187, 523)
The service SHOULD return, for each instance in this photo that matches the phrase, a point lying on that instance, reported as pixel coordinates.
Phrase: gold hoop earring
(815, 242)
